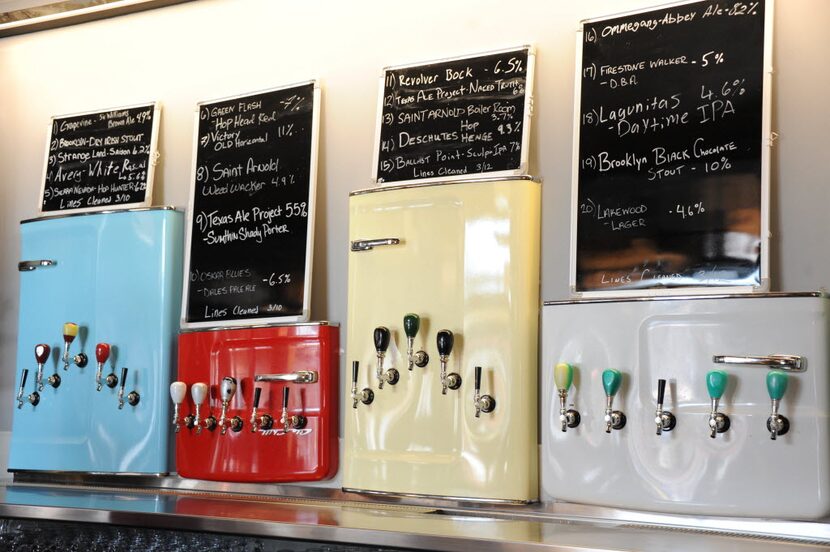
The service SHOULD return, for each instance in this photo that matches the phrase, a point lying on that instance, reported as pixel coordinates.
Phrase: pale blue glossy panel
(118, 276)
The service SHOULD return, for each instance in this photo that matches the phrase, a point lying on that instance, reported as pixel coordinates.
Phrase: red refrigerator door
(306, 454)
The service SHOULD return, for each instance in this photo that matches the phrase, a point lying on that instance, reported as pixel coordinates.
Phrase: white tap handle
(228, 388)
(178, 390)
(199, 393)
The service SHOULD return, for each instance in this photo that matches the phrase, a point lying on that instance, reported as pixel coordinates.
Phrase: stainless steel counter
(306, 513)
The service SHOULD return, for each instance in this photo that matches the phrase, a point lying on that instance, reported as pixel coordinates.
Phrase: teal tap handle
(716, 383)
(777, 384)
(411, 324)
(611, 380)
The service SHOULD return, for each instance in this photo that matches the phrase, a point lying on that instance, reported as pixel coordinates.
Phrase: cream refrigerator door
(468, 262)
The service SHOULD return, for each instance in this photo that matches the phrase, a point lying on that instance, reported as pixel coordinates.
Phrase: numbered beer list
(100, 160)
(454, 118)
(251, 210)
(670, 136)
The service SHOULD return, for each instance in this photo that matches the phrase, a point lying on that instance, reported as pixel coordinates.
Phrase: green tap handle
(411, 324)
(611, 380)
(563, 376)
(716, 383)
(777, 384)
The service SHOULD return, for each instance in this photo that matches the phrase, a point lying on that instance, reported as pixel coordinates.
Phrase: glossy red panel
(308, 454)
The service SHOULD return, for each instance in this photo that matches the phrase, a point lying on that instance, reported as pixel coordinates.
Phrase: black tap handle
(25, 375)
(478, 378)
(445, 341)
(285, 398)
(257, 393)
(123, 377)
(355, 367)
(661, 390)
(381, 339)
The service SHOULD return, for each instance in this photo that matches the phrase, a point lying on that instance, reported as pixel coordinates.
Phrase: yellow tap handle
(563, 376)
(70, 330)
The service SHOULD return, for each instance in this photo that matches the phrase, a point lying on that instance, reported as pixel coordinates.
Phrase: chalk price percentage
(689, 210)
(277, 279)
(720, 165)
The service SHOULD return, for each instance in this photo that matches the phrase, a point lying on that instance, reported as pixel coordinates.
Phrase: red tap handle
(102, 352)
(42, 353)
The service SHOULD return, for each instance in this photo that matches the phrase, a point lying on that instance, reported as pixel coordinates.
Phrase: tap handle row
(444, 342)
(70, 331)
(178, 390)
(228, 389)
(381, 337)
(42, 351)
(661, 390)
(411, 324)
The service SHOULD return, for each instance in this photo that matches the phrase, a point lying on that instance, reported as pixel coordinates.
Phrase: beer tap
(290, 422)
(263, 422)
(70, 331)
(199, 392)
(411, 325)
(178, 391)
(664, 419)
(563, 375)
(445, 340)
(22, 387)
(42, 351)
(121, 389)
(483, 403)
(227, 391)
(381, 338)
(614, 419)
(716, 384)
(102, 353)
(367, 395)
(776, 386)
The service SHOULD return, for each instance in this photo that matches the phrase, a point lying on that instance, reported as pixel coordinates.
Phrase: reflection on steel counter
(22, 534)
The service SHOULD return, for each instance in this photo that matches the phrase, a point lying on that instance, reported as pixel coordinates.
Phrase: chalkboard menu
(455, 119)
(251, 217)
(101, 160)
(671, 169)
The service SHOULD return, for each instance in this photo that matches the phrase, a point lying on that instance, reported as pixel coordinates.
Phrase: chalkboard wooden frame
(523, 167)
(152, 161)
(312, 202)
(766, 138)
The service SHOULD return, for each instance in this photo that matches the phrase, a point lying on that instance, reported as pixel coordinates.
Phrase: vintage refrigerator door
(741, 472)
(309, 453)
(467, 261)
(118, 276)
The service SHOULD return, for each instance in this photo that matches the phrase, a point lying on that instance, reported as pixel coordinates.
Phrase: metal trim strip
(767, 295)
(258, 326)
(107, 212)
(365, 191)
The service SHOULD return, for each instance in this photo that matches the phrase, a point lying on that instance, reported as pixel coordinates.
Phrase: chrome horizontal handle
(28, 266)
(367, 245)
(791, 363)
(301, 376)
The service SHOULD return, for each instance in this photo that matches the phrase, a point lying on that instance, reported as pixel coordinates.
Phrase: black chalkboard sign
(251, 217)
(455, 119)
(671, 165)
(100, 160)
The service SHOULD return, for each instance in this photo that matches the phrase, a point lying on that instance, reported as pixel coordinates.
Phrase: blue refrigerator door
(116, 275)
